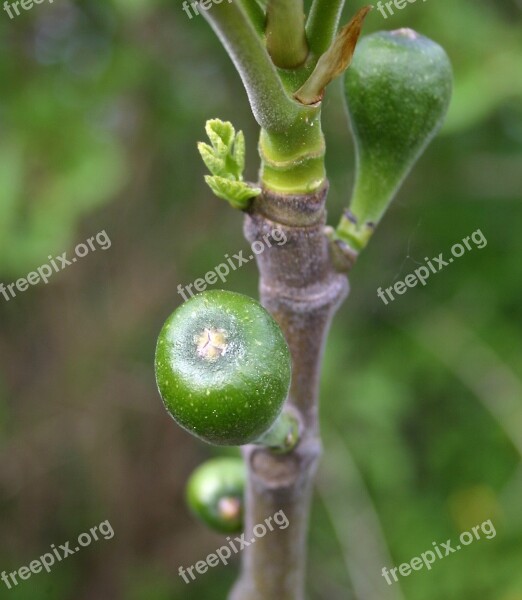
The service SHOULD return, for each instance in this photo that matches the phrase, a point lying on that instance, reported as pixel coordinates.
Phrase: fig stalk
(284, 434)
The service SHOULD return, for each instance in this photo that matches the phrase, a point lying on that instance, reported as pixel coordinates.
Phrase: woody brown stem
(302, 290)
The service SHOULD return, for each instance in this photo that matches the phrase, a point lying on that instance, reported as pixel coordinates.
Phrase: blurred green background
(101, 106)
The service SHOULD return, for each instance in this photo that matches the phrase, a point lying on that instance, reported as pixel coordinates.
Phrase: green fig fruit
(397, 90)
(215, 494)
(223, 368)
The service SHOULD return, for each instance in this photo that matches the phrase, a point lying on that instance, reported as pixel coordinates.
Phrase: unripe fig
(397, 90)
(223, 368)
(215, 494)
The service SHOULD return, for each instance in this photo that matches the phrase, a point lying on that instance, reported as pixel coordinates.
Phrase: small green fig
(397, 90)
(223, 368)
(215, 494)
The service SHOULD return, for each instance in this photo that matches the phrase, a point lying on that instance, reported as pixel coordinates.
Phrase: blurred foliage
(101, 108)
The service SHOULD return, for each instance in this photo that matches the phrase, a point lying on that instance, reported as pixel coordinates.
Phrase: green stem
(355, 235)
(255, 14)
(293, 161)
(322, 24)
(285, 33)
(273, 109)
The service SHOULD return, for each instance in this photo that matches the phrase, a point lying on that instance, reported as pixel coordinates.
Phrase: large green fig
(397, 90)
(223, 368)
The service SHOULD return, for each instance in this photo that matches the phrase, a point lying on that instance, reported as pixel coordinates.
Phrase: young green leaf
(221, 134)
(237, 193)
(239, 153)
(214, 163)
(225, 159)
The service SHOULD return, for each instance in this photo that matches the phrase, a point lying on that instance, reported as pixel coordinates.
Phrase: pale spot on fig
(406, 32)
(211, 343)
(229, 508)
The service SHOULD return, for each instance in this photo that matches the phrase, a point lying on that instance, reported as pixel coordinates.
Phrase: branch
(322, 24)
(300, 288)
(255, 14)
(285, 33)
(273, 109)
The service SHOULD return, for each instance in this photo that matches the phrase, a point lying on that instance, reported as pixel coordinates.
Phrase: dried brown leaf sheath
(334, 61)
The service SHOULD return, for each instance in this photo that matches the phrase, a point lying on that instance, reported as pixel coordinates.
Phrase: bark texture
(302, 290)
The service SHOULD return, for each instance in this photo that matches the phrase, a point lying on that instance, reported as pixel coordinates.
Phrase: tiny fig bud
(215, 494)
(397, 90)
(223, 368)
